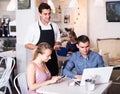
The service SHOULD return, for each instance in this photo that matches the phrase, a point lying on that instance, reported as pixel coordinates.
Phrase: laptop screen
(101, 75)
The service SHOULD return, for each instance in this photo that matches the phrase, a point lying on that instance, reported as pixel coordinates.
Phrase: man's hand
(78, 77)
(30, 46)
(57, 46)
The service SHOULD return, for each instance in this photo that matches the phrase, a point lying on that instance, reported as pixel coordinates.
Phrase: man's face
(45, 16)
(84, 48)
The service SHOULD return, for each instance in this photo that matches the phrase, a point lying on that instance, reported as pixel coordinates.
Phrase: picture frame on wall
(24, 4)
(66, 18)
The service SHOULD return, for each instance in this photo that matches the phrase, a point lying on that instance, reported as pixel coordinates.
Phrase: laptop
(101, 75)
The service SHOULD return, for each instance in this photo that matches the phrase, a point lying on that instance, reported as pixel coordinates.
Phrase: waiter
(44, 30)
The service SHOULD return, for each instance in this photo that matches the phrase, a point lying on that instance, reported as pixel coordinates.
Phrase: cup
(70, 83)
(89, 84)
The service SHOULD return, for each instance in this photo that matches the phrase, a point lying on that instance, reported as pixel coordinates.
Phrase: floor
(113, 89)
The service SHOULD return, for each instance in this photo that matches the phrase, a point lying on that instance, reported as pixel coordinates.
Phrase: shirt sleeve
(28, 36)
(32, 34)
(56, 32)
(67, 71)
(100, 61)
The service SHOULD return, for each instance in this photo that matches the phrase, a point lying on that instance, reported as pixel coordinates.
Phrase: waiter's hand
(57, 46)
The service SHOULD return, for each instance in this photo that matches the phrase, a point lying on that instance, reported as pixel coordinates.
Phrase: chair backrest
(110, 45)
(5, 77)
(9, 61)
(2, 67)
(20, 83)
(4, 80)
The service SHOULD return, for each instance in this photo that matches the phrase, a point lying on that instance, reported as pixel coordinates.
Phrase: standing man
(84, 58)
(45, 31)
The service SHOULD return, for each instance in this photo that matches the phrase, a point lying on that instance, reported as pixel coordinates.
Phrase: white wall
(23, 19)
(80, 26)
(98, 27)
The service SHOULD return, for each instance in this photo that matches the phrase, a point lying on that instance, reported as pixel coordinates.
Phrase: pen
(76, 82)
(63, 76)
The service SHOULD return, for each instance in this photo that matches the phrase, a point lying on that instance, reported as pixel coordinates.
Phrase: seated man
(84, 58)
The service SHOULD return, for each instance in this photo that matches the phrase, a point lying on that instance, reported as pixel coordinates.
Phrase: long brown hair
(40, 49)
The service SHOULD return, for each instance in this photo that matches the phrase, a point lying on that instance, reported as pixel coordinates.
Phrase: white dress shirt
(33, 33)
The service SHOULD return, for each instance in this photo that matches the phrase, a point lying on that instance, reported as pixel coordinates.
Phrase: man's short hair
(43, 6)
(83, 38)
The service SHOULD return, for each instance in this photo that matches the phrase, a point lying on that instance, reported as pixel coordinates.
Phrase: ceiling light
(51, 5)
(73, 4)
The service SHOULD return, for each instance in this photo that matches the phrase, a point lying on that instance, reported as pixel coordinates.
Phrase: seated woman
(38, 74)
(71, 44)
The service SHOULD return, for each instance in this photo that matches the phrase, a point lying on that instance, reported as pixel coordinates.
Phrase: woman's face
(46, 55)
(72, 38)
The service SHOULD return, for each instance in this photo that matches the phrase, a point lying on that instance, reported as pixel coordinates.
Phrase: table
(64, 88)
(10, 53)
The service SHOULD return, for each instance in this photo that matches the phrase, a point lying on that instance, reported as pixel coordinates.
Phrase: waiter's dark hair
(43, 6)
(82, 38)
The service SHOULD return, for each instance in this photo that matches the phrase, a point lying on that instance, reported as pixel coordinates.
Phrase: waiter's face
(45, 16)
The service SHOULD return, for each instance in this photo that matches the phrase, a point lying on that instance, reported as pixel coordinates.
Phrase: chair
(1, 68)
(62, 57)
(4, 80)
(20, 83)
(1, 71)
(5, 61)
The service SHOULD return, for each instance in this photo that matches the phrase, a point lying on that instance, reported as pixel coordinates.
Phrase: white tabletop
(64, 88)
(10, 53)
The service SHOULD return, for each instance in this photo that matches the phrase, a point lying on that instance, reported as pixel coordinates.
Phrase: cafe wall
(98, 26)
(77, 16)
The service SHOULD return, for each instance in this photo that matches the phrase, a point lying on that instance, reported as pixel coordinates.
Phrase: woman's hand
(55, 79)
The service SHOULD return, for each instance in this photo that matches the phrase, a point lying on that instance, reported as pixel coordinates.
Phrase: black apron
(49, 37)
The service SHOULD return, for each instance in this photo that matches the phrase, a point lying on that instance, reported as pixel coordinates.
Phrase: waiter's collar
(41, 24)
